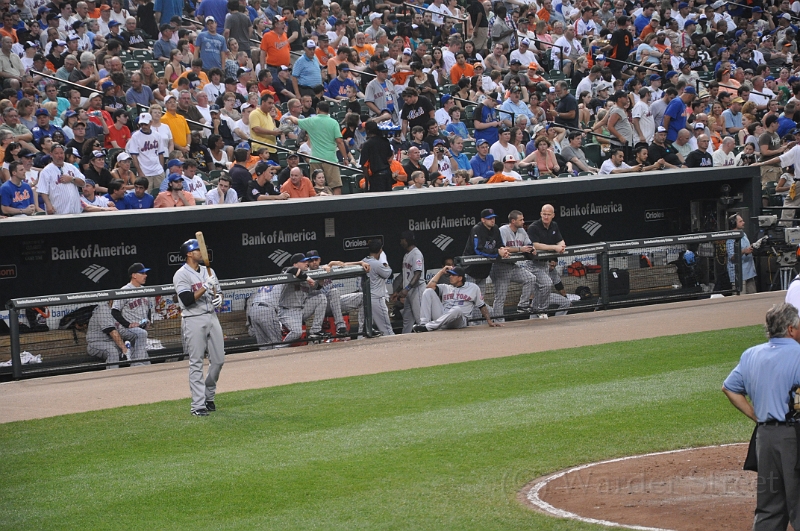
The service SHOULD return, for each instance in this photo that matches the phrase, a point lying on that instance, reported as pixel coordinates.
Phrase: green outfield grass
(441, 448)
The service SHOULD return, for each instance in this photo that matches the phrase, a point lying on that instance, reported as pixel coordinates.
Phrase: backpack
(576, 269)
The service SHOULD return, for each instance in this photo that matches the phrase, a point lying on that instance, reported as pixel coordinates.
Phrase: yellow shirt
(259, 119)
(179, 127)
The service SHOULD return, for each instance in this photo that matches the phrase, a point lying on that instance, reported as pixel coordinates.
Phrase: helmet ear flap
(189, 246)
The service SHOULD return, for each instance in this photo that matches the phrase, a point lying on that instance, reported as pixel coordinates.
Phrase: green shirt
(323, 132)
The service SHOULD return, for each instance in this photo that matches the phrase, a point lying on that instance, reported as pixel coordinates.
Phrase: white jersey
(212, 197)
(646, 122)
(187, 279)
(98, 201)
(413, 261)
(195, 186)
(134, 310)
(464, 299)
(147, 148)
(65, 197)
(442, 117)
(445, 169)
(514, 239)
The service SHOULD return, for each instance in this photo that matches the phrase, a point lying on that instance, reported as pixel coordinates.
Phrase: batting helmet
(189, 246)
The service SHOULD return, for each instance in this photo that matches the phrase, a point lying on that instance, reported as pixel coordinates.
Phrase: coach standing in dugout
(546, 236)
(767, 373)
(199, 294)
(484, 240)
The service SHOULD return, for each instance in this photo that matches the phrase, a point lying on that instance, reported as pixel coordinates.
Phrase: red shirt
(121, 136)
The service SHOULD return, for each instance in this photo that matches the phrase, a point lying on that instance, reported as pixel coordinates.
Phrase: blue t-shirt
(490, 134)
(168, 9)
(133, 203)
(675, 110)
(211, 48)
(118, 203)
(766, 373)
(462, 160)
(640, 22)
(15, 196)
(338, 88)
(458, 129)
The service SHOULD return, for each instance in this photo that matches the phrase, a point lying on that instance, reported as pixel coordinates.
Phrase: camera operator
(748, 264)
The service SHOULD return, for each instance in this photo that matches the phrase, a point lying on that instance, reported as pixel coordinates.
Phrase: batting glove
(210, 283)
(217, 300)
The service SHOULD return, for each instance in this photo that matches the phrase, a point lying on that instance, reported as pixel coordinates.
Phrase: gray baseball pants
(201, 332)
(502, 277)
(380, 316)
(293, 318)
(433, 316)
(265, 324)
(411, 308)
(543, 285)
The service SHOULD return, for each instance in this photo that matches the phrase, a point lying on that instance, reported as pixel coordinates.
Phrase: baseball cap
(446, 98)
(167, 98)
(175, 177)
(719, 34)
(515, 62)
(89, 182)
(488, 213)
(311, 44)
(284, 68)
(273, 163)
(438, 142)
(59, 42)
(786, 16)
(145, 118)
(603, 85)
(26, 153)
(275, 20)
(457, 271)
(243, 145)
(477, 65)
(698, 125)
(41, 112)
(293, 154)
(381, 68)
(210, 19)
(313, 254)
(112, 23)
(734, 100)
(757, 9)
(682, 5)
(480, 142)
(654, 77)
(671, 73)
(373, 16)
(138, 267)
(213, 108)
(73, 37)
(242, 71)
(526, 42)
(689, 22)
(689, 90)
(107, 85)
(552, 89)
(503, 129)
(769, 78)
(97, 154)
(661, 129)
(174, 162)
(300, 13)
(509, 158)
(406, 51)
(298, 257)
(124, 155)
(244, 106)
(600, 57)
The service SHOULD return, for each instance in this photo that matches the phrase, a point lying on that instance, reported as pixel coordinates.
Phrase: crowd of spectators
(129, 104)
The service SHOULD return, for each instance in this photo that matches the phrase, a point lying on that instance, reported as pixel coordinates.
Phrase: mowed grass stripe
(437, 448)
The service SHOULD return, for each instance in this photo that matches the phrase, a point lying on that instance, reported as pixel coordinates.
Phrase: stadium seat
(556, 74)
(593, 153)
(133, 64)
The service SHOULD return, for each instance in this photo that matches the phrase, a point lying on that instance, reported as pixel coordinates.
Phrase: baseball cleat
(542, 316)
(343, 331)
(523, 309)
(419, 328)
(210, 406)
(200, 412)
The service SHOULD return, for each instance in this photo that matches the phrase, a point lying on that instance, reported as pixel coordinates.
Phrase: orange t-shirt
(544, 14)
(364, 52)
(500, 178)
(277, 49)
(12, 33)
(164, 200)
(322, 57)
(333, 62)
(457, 72)
(646, 31)
(201, 76)
(306, 189)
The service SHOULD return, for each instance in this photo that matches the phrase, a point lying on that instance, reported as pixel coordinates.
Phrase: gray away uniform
(133, 311)
(378, 273)
(504, 274)
(262, 315)
(336, 304)
(453, 308)
(296, 306)
(200, 330)
(99, 343)
(413, 261)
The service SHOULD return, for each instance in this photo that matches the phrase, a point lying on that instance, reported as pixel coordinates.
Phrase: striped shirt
(65, 197)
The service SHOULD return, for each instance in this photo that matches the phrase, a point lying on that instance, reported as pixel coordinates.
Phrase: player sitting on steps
(450, 306)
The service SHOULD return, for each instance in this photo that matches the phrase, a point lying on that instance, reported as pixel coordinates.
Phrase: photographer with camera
(441, 160)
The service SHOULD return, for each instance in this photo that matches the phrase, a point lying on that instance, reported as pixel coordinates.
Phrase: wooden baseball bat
(203, 251)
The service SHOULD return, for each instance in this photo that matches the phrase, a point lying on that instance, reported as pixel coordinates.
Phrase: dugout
(65, 254)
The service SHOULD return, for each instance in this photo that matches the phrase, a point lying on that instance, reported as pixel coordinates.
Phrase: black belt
(772, 423)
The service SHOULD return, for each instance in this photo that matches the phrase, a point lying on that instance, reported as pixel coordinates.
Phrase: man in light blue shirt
(306, 71)
(767, 373)
(483, 161)
(211, 45)
(733, 116)
(515, 104)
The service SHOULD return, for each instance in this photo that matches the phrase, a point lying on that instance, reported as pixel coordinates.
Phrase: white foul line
(534, 499)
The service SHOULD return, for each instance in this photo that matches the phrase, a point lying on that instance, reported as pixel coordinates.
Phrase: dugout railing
(65, 349)
(633, 272)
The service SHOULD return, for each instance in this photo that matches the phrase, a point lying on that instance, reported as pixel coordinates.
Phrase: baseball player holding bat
(199, 294)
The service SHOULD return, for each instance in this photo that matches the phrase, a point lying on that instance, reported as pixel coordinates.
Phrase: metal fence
(631, 272)
(39, 326)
